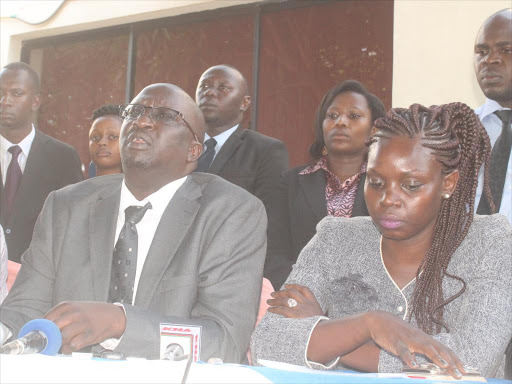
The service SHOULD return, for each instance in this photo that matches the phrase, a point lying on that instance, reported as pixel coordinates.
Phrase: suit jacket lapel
(102, 229)
(227, 150)
(359, 208)
(313, 186)
(174, 225)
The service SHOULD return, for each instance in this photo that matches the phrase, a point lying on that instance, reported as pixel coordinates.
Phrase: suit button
(8, 231)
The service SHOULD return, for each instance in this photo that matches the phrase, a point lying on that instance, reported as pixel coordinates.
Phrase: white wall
(433, 50)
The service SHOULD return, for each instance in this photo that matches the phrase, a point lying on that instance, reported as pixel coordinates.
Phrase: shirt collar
(159, 200)
(24, 144)
(222, 137)
(322, 164)
(489, 108)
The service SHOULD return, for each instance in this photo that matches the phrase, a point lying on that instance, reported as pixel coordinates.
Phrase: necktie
(12, 182)
(499, 162)
(124, 260)
(204, 162)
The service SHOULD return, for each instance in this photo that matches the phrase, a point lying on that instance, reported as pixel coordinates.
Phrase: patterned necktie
(498, 165)
(204, 162)
(124, 260)
(12, 182)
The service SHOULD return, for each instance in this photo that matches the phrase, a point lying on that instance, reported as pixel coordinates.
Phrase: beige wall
(82, 15)
(433, 50)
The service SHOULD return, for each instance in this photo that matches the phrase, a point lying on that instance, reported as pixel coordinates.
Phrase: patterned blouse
(339, 196)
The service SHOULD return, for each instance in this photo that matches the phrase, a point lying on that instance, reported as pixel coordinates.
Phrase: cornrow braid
(458, 141)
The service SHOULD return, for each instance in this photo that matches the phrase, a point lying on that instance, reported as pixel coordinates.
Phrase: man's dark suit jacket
(51, 165)
(252, 161)
(300, 205)
(204, 266)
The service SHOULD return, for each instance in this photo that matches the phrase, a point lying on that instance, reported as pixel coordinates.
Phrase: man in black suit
(244, 157)
(42, 164)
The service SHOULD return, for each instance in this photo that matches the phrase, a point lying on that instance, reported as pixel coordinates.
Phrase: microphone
(37, 336)
(174, 352)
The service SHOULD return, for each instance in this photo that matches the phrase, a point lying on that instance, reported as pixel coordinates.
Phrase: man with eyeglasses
(113, 257)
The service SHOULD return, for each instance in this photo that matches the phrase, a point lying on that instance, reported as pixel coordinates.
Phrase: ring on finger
(292, 302)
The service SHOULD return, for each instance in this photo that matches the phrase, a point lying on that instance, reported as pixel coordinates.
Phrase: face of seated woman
(404, 188)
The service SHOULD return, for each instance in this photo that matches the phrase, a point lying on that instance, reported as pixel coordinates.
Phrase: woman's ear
(194, 151)
(450, 182)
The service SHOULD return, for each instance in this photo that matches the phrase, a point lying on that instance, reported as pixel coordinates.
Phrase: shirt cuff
(111, 344)
(5, 333)
(312, 364)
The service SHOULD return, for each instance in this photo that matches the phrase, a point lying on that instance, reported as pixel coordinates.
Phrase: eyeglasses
(158, 114)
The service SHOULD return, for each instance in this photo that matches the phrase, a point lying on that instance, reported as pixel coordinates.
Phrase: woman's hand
(404, 340)
(307, 305)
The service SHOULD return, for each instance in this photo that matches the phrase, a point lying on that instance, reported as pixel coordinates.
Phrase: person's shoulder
(353, 228)
(489, 227)
(90, 188)
(293, 173)
(260, 138)
(54, 144)
(489, 240)
(215, 187)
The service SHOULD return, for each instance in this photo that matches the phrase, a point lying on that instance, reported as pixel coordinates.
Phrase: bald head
(223, 96)
(157, 146)
(493, 57)
(175, 98)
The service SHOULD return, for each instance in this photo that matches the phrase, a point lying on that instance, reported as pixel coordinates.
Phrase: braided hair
(459, 142)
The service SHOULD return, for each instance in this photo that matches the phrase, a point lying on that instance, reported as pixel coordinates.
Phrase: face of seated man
(154, 153)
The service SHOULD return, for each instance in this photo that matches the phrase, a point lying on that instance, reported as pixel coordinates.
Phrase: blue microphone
(37, 336)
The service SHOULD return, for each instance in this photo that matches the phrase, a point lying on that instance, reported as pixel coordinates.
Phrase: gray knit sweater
(343, 267)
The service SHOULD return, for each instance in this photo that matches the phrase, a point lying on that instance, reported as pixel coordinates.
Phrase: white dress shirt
(5, 155)
(493, 126)
(146, 229)
(220, 139)
(3, 266)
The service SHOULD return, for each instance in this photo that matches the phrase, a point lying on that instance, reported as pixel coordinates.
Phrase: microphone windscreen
(50, 329)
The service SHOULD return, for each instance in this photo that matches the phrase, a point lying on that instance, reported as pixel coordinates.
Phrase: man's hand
(85, 323)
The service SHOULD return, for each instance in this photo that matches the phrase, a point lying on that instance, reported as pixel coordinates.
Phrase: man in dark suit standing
(113, 257)
(244, 157)
(32, 163)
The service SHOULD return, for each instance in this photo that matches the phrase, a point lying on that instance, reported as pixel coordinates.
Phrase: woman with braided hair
(422, 279)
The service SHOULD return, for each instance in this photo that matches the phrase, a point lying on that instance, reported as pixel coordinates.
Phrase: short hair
(106, 110)
(374, 104)
(33, 76)
(458, 140)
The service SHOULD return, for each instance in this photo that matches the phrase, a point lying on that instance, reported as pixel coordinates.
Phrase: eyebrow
(402, 174)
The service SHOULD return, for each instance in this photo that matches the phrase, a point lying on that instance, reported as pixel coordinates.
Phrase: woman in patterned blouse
(332, 184)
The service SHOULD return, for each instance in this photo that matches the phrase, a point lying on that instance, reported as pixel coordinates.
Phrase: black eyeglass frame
(123, 107)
